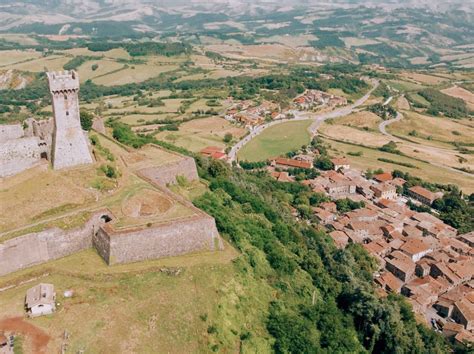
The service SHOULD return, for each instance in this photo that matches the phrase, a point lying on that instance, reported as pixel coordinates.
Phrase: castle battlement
(60, 81)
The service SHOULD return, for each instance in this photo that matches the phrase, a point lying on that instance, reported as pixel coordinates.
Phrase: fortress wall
(19, 155)
(172, 239)
(40, 247)
(10, 132)
(101, 242)
(163, 175)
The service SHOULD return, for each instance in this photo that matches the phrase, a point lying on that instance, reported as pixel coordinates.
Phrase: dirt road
(38, 338)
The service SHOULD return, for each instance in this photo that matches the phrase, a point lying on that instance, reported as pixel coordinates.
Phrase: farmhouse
(40, 300)
(385, 191)
(422, 194)
(214, 152)
(340, 163)
(463, 313)
(284, 163)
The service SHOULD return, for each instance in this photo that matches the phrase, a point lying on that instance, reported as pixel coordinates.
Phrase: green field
(140, 308)
(277, 140)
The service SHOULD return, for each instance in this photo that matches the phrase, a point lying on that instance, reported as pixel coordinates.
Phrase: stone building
(40, 300)
(70, 146)
(60, 139)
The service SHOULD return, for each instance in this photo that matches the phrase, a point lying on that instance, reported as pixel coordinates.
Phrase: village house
(468, 238)
(389, 282)
(340, 238)
(416, 249)
(423, 195)
(40, 300)
(282, 176)
(385, 191)
(340, 163)
(214, 152)
(463, 313)
(324, 216)
(284, 163)
(383, 177)
(401, 266)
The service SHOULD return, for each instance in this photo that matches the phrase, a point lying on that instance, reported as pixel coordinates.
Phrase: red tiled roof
(383, 177)
(211, 149)
(292, 163)
(423, 192)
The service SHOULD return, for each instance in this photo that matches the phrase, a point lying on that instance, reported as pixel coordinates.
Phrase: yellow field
(362, 119)
(423, 78)
(134, 73)
(200, 133)
(104, 66)
(50, 63)
(10, 57)
(437, 127)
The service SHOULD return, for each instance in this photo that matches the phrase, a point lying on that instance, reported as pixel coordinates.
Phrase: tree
(324, 163)
(228, 137)
(86, 120)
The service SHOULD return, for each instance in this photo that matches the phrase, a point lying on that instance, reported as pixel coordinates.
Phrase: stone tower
(70, 146)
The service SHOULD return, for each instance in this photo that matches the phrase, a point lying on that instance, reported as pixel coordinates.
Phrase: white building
(40, 300)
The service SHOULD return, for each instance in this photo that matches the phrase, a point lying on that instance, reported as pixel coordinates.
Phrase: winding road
(302, 115)
(382, 128)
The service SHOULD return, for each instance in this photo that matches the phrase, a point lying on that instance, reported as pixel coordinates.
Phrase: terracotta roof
(383, 177)
(292, 163)
(383, 187)
(414, 246)
(392, 282)
(466, 308)
(423, 192)
(211, 149)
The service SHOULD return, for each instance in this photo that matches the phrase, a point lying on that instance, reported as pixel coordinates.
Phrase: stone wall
(10, 132)
(194, 234)
(39, 247)
(166, 174)
(18, 155)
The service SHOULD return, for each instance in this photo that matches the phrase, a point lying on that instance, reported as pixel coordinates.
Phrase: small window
(65, 97)
(67, 113)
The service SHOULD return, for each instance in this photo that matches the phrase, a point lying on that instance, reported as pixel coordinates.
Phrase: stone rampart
(171, 239)
(18, 155)
(40, 247)
(10, 132)
(166, 174)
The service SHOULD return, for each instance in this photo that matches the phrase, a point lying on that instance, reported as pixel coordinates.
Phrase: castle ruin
(69, 141)
(60, 139)
(149, 223)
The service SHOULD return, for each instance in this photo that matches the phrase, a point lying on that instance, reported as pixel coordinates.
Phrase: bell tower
(69, 147)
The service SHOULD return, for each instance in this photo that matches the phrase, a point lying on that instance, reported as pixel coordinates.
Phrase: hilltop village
(418, 255)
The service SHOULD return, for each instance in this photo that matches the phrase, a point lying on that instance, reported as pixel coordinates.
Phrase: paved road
(302, 115)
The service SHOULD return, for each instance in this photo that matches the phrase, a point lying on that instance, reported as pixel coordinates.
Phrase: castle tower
(69, 140)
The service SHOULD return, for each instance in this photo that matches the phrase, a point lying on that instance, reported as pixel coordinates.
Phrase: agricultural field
(369, 160)
(11, 57)
(276, 140)
(426, 127)
(462, 93)
(200, 133)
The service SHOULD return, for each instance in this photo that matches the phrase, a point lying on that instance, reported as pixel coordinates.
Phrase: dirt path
(37, 337)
